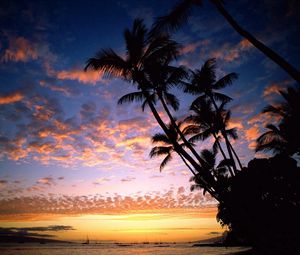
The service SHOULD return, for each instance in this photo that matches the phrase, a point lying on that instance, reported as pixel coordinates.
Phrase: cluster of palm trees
(148, 66)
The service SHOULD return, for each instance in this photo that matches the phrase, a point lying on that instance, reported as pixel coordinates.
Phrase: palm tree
(143, 53)
(284, 138)
(219, 172)
(205, 84)
(180, 14)
(205, 122)
(166, 148)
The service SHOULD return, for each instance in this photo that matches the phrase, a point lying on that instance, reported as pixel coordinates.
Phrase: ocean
(114, 249)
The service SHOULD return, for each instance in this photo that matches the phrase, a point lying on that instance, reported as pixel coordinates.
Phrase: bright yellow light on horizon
(155, 226)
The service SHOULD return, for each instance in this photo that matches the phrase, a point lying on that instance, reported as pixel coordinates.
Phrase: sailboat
(87, 240)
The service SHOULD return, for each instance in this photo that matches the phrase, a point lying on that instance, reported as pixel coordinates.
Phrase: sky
(73, 162)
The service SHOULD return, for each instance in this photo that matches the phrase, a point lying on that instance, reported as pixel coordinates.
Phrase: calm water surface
(112, 249)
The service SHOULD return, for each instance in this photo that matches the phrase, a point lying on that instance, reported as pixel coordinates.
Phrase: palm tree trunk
(223, 131)
(211, 187)
(236, 156)
(223, 154)
(187, 144)
(184, 160)
(186, 163)
(291, 70)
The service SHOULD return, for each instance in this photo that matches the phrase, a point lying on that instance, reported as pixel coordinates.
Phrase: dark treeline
(259, 203)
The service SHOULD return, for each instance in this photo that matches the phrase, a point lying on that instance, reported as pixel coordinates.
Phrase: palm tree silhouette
(205, 84)
(219, 172)
(205, 122)
(143, 53)
(180, 14)
(284, 138)
(166, 148)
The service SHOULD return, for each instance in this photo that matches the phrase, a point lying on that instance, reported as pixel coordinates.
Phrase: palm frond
(172, 100)
(274, 109)
(162, 54)
(131, 97)
(166, 160)
(160, 150)
(209, 157)
(178, 15)
(225, 81)
(191, 129)
(108, 62)
(159, 137)
(200, 136)
(206, 76)
(225, 162)
(152, 98)
(135, 41)
(176, 76)
(221, 97)
(232, 133)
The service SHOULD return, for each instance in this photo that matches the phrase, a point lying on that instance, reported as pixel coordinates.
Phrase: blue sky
(62, 132)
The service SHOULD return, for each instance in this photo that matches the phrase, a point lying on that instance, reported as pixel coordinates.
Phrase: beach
(115, 249)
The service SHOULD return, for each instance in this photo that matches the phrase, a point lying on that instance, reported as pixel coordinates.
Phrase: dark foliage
(263, 205)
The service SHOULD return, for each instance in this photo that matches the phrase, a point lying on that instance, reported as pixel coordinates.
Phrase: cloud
(229, 52)
(236, 123)
(89, 77)
(128, 179)
(275, 87)
(20, 50)
(3, 183)
(46, 181)
(100, 204)
(252, 133)
(11, 98)
(101, 180)
(67, 91)
(192, 47)
(32, 231)
(91, 137)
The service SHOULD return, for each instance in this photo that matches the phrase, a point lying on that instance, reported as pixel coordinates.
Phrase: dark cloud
(34, 231)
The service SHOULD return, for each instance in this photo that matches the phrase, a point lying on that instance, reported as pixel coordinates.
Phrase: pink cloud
(275, 87)
(100, 204)
(11, 98)
(230, 53)
(46, 181)
(190, 48)
(20, 49)
(89, 77)
(128, 179)
(252, 133)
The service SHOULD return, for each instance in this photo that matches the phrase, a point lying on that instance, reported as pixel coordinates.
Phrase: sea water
(114, 249)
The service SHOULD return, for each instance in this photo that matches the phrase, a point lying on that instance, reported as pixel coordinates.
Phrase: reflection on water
(113, 249)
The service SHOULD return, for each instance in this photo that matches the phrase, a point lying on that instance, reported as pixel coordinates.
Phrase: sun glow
(151, 226)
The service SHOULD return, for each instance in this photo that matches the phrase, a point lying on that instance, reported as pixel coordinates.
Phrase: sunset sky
(70, 156)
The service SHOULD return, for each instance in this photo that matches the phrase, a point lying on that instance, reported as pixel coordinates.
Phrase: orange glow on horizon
(154, 226)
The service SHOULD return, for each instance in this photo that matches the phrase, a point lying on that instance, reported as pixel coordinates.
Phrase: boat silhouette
(87, 240)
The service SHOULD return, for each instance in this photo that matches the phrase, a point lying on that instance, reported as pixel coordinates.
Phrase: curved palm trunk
(291, 70)
(223, 154)
(236, 156)
(227, 142)
(186, 163)
(211, 187)
(186, 143)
